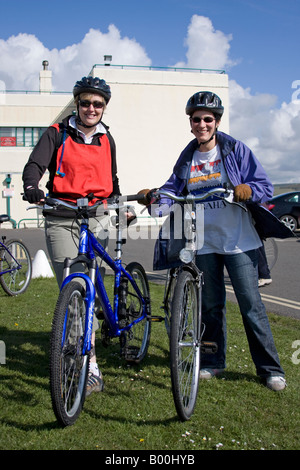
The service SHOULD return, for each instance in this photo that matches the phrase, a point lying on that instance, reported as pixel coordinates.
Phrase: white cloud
(22, 57)
(272, 133)
(207, 48)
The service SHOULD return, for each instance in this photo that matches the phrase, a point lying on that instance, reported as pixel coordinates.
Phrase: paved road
(281, 297)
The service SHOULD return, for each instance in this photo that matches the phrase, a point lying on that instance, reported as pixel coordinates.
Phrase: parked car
(286, 207)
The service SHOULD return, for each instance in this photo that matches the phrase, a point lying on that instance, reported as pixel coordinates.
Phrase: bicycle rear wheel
(138, 337)
(68, 367)
(18, 278)
(185, 345)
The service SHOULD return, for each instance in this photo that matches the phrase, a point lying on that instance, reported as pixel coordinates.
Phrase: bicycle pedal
(208, 347)
(155, 318)
(131, 353)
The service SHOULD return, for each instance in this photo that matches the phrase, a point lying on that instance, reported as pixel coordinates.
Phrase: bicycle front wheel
(16, 261)
(68, 367)
(185, 345)
(138, 338)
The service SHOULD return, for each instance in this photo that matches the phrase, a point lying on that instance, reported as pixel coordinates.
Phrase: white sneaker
(276, 383)
(210, 373)
(264, 282)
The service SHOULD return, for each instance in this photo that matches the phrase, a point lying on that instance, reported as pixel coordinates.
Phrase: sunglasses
(87, 104)
(207, 119)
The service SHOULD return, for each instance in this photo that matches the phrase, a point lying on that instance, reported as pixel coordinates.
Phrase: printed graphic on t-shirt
(205, 174)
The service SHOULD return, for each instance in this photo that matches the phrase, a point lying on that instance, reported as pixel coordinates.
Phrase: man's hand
(242, 193)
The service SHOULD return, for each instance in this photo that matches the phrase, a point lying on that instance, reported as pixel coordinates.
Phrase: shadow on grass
(25, 376)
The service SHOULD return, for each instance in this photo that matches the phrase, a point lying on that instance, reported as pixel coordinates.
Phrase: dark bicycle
(182, 307)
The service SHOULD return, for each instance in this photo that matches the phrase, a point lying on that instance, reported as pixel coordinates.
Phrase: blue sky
(265, 33)
(255, 41)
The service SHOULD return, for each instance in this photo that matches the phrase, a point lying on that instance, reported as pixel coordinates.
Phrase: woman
(230, 238)
(80, 154)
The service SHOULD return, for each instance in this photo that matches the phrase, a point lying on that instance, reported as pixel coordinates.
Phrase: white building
(146, 116)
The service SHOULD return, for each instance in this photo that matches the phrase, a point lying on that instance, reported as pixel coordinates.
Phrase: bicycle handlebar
(82, 203)
(220, 192)
(193, 197)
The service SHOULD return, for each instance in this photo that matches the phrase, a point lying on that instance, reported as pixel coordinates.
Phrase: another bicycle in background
(127, 317)
(15, 264)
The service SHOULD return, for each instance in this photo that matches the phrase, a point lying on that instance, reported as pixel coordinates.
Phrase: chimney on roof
(45, 79)
(107, 59)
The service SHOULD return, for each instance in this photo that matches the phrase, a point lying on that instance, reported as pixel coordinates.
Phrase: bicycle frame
(15, 268)
(88, 249)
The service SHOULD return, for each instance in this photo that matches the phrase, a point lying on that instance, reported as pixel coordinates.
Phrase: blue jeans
(242, 270)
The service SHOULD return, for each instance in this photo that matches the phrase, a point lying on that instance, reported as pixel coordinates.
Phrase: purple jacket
(242, 167)
(240, 164)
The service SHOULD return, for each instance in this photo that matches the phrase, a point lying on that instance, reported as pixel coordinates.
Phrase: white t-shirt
(221, 228)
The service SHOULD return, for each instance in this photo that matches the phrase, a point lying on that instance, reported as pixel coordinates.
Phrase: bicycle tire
(271, 250)
(17, 281)
(68, 367)
(185, 345)
(138, 337)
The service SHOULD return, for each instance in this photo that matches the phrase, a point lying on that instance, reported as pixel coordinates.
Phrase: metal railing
(167, 69)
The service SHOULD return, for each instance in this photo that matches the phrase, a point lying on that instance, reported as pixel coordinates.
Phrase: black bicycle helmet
(92, 85)
(204, 100)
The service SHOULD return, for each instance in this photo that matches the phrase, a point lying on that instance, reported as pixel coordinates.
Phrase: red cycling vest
(83, 169)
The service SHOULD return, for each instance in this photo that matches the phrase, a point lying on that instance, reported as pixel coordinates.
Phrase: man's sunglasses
(207, 119)
(87, 104)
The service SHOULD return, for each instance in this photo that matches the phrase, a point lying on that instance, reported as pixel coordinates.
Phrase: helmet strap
(210, 139)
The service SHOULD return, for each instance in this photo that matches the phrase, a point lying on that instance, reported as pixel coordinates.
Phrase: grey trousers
(62, 236)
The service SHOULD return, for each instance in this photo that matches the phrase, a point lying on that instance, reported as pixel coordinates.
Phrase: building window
(20, 136)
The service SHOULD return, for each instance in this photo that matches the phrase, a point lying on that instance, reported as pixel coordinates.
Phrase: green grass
(136, 410)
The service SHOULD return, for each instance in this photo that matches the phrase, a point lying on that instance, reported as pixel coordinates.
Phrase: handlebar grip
(136, 197)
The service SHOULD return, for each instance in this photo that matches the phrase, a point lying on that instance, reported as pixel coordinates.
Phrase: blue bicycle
(128, 317)
(15, 264)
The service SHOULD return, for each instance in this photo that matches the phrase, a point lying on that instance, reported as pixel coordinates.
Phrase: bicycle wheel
(17, 280)
(185, 345)
(271, 250)
(68, 367)
(138, 337)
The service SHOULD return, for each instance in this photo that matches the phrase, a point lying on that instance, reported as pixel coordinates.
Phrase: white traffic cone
(41, 266)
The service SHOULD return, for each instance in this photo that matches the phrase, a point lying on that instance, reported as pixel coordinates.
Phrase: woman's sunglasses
(87, 104)
(207, 119)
